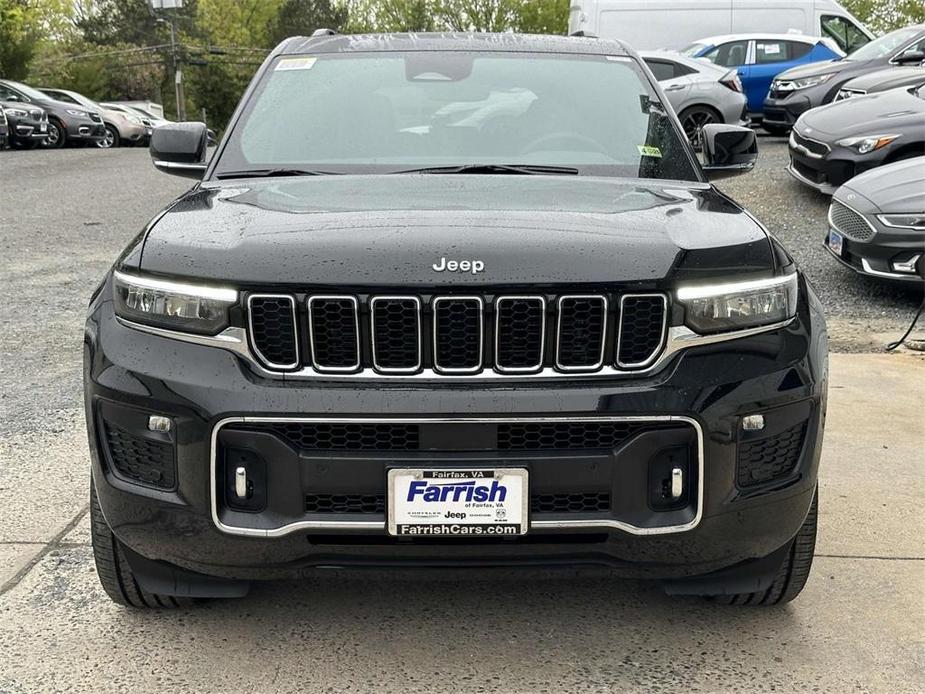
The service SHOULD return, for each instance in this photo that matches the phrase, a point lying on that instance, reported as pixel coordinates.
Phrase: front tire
(110, 140)
(56, 135)
(792, 575)
(114, 571)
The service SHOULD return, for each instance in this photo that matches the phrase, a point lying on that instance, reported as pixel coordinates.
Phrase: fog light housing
(906, 266)
(158, 423)
(753, 422)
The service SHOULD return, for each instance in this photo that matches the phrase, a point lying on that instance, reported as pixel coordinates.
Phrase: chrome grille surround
(657, 349)
(336, 368)
(252, 333)
(475, 368)
(523, 299)
(374, 346)
(849, 222)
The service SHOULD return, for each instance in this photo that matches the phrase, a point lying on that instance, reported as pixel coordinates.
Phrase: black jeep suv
(453, 300)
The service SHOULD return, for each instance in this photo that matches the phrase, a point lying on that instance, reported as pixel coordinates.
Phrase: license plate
(836, 243)
(457, 502)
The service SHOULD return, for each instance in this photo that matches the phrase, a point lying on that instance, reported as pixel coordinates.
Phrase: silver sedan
(698, 91)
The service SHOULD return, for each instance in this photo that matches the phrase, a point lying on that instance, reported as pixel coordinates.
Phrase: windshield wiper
(530, 169)
(269, 173)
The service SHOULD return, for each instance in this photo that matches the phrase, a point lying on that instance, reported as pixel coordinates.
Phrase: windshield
(695, 49)
(391, 112)
(884, 45)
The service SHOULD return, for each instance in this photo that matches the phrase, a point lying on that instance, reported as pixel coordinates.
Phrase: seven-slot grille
(456, 335)
(849, 222)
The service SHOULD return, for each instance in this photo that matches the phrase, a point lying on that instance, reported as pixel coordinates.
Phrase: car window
(61, 96)
(730, 54)
(798, 49)
(661, 69)
(397, 111)
(8, 94)
(918, 46)
(845, 33)
(693, 50)
(771, 51)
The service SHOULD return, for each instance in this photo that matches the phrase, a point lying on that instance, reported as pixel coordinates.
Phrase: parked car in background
(121, 127)
(877, 222)
(66, 121)
(832, 144)
(4, 131)
(881, 81)
(699, 92)
(653, 24)
(154, 110)
(28, 124)
(758, 58)
(799, 89)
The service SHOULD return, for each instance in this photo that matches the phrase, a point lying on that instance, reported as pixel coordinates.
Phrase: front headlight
(75, 112)
(804, 83)
(866, 144)
(737, 305)
(172, 305)
(15, 112)
(904, 221)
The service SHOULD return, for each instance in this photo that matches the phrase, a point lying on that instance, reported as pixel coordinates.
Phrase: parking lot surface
(64, 215)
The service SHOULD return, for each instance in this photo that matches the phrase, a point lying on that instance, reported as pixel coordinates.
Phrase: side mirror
(728, 150)
(13, 97)
(910, 58)
(180, 149)
(211, 139)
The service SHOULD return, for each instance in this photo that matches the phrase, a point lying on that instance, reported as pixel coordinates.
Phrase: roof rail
(584, 34)
(323, 32)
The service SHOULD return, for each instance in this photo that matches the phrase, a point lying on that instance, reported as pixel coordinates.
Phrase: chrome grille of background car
(845, 93)
(511, 334)
(848, 222)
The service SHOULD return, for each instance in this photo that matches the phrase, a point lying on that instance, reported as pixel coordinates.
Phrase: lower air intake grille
(590, 502)
(140, 459)
(334, 326)
(345, 503)
(346, 437)
(771, 458)
(567, 435)
(273, 330)
(642, 329)
(580, 332)
(520, 329)
(849, 222)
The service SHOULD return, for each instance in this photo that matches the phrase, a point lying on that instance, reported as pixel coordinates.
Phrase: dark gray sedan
(832, 144)
(797, 90)
(877, 222)
(881, 81)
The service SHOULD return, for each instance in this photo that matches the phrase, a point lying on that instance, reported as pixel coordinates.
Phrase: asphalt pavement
(64, 216)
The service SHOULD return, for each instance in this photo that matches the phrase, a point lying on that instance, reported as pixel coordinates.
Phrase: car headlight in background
(15, 112)
(866, 144)
(904, 221)
(75, 112)
(737, 305)
(804, 83)
(172, 305)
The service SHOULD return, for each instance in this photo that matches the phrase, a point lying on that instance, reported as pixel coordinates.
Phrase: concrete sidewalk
(857, 627)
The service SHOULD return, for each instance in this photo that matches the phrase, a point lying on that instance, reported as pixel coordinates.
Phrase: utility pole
(177, 69)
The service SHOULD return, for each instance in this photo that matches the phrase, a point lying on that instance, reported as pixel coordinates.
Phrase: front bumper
(131, 132)
(875, 257)
(828, 172)
(85, 130)
(783, 112)
(699, 396)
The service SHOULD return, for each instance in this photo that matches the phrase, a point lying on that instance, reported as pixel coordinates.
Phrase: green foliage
(882, 16)
(20, 32)
(302, 17)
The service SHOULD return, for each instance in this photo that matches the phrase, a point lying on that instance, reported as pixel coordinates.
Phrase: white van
(653, 24)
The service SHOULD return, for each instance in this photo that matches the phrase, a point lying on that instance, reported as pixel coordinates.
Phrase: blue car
(758, 58)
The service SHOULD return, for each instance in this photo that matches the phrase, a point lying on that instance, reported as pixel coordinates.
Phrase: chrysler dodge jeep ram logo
(473, 266)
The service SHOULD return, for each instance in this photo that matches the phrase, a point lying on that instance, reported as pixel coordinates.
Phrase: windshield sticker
(769, 48)
(295, 64)
(649, 151)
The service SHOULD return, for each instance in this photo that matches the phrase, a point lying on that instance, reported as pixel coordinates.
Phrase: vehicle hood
(888, 78)
(897, 187)
(389, 230)
(895, 111)
(823, 67)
